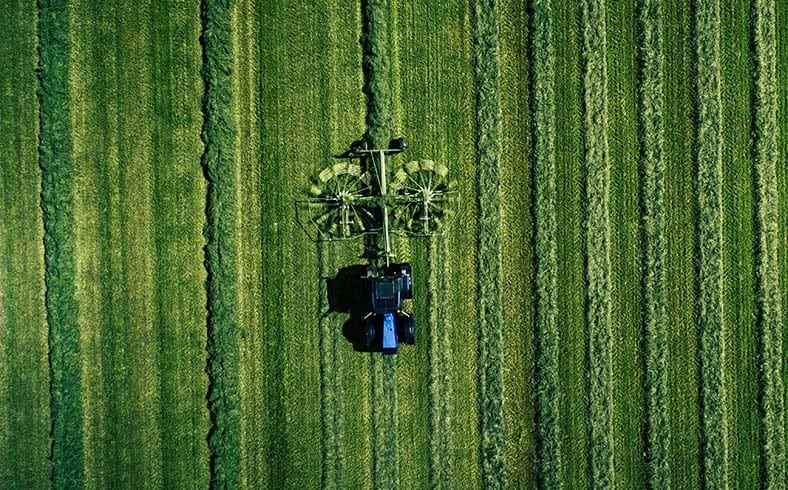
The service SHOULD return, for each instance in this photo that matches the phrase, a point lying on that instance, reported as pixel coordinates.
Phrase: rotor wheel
(425, 197)
(337, 206)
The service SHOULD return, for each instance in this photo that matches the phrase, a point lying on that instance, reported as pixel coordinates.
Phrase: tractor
(355, 197)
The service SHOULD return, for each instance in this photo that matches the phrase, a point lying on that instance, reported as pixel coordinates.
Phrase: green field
(608, 310)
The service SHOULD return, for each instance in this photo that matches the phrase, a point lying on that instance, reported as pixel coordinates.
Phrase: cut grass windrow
(440, 366)
(488, 135)
(377, 73)
(767, 226)
(221, 248)
(547, 364)
(652, 102)
(597, 228)
(330, 397)
(55, 147)
(710, 266)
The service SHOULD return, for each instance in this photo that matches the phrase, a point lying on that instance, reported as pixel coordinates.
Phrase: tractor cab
(387, 323)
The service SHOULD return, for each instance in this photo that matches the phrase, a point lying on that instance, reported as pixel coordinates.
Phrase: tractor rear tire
(406, 272)
(407, 333)
(369, 331)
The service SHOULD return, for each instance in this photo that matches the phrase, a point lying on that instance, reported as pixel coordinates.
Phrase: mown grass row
(221, 249)
(544, 188)
(597, 229)
(330, 397)
(652, 102)
(710, 266)
(486, 59)
(55, 145)
(767, 226)
(441, 458)
(376, 26)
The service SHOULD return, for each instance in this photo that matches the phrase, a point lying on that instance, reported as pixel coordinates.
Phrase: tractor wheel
(407, 280)
(407, 327)
(369, 331)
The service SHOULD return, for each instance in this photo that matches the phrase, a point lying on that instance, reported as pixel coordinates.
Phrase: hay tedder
(355, 198)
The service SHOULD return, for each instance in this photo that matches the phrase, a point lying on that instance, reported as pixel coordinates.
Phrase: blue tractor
(356, 197)
(387, 323)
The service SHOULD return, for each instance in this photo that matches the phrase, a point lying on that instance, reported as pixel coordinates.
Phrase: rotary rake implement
(356, 197)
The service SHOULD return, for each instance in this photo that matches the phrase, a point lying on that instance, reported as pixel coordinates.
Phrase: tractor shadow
(347, 293)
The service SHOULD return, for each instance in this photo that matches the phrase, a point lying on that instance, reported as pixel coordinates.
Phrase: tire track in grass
(488, 116)
(651, 92)
(739, 246)
(24, 370)
(178, 220)
(55, 153)
(767, 226)
(517, 250)
(376, 24)
(681, 222)
(548, 382)
(571, 286)
(597, 228)
(221, 249)
(709, 188)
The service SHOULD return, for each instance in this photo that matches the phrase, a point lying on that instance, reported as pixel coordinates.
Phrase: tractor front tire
(369, 331)
(407, 333)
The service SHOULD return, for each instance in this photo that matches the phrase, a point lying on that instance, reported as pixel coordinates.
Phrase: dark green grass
(626, 247)
(653, 172)
(219, 162)
(517, 251)
(488, 133)
(569, 178)
(683, 332)
(781, 22)
(55, 145)
(24, 370)
(740, 334)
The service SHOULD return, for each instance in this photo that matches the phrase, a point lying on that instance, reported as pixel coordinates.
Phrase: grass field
(608, 309)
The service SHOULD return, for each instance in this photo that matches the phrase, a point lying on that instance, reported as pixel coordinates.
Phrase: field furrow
(781, 28)
(597, 229)
(488, 147)
(710, 229)
(55, 159)
(24, 370)
(652, 104)
(548, 384)
(767, 226)
(219, 163)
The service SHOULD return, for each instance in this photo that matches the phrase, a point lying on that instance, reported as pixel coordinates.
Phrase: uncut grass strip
(488, 126)
(767, 226)
(330, 397)
(651, 91)
(220, 232)
(597, 228)
(547, 363)
(55, 147)
(709, 189)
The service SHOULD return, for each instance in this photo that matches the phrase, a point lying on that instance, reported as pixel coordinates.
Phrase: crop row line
(441, 460)
(221, 248)
(547, 361)
(710, 274)
(488, 134)
(55, 149)
(330, 399)
(768, 275)
(597, 228)
(652, 100)
(376, 66)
